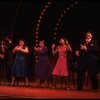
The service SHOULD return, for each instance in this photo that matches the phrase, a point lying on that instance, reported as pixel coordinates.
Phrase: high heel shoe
(12, 84)
(27, 84)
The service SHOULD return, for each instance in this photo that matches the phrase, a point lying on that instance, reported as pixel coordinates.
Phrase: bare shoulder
(66, 46)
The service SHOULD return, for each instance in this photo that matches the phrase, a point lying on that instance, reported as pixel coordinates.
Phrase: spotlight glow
(67, 8)
(49, 3)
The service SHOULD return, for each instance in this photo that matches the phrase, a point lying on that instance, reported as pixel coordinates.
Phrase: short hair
(89, 31)
(42, 41)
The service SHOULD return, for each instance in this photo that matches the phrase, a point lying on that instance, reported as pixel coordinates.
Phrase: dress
(19, 68)
(61, 68)
(43, 65)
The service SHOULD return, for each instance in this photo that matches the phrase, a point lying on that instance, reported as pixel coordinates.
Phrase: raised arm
(68, 46)
(17, 48)
(54, 51)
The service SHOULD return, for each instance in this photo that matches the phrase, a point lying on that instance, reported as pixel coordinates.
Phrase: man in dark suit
(87, 62)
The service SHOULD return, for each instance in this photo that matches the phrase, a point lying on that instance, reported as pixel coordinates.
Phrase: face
(21, 43)
(61, 41)
(88, 35)
(41, 44)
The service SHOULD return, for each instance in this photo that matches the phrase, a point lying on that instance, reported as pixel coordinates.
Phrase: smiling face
(62, 41)
(41, 43)
(88, 35)
(21, 43)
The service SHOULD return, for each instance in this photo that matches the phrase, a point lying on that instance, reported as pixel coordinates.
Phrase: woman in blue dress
(20, 64)
(42, 66)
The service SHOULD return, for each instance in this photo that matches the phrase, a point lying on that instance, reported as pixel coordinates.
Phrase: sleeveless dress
(61, 67)
(19, 68)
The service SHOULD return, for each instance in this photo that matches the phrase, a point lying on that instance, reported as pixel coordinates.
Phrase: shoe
(12, 84)
(7, 84)
(27, 84)
(54, 87)
(95, 90)
(79, 89)
(68, 88)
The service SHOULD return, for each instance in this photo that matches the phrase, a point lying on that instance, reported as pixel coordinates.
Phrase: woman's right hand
(34, 48)
(2, 56)
(77, 53)
(53, 46)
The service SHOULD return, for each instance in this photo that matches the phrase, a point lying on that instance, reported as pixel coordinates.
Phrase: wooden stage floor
(15, 92)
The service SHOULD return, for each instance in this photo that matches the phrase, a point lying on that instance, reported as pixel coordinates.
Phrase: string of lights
(57, 24)
(61, 17)
(37, 27)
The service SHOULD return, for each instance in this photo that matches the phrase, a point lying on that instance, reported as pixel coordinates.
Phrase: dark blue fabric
(19, 68)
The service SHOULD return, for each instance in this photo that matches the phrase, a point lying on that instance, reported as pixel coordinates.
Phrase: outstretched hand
(77, 53)
(83, 47)
(53, 45)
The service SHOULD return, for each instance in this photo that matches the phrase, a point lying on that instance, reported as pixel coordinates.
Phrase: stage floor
(13, 92)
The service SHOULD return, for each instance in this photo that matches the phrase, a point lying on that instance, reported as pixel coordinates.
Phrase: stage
(16, 92)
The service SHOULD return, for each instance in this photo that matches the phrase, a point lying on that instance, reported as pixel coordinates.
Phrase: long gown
(19, 68)
(43, 65)
(61, 67)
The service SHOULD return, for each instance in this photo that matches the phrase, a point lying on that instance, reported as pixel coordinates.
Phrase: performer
(87, 62)
(20, 66)
(43, 64)
(61, 67)
(9, 59)
(3, 50)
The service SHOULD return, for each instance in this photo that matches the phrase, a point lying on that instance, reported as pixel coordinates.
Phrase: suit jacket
(90, 55)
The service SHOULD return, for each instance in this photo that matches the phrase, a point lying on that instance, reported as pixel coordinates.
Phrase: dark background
(18, 19)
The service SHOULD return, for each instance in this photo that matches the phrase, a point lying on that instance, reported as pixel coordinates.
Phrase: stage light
(39, 21)
(36, 45)
(40, 17)
(36, 41)
(36, 61)
(44, 9)
(36, 57)
(54, 38)
(62, 15)
(75, 2)
(64, 11)
(57, 24)
(71, 5)
(36, 37)
(46, 6)
(56, 28)
(54, 33)
(36, 33)
(37, 28)
(38, 25)
(67, 8)
(42, 13)
(59, 20)
(49, 3)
